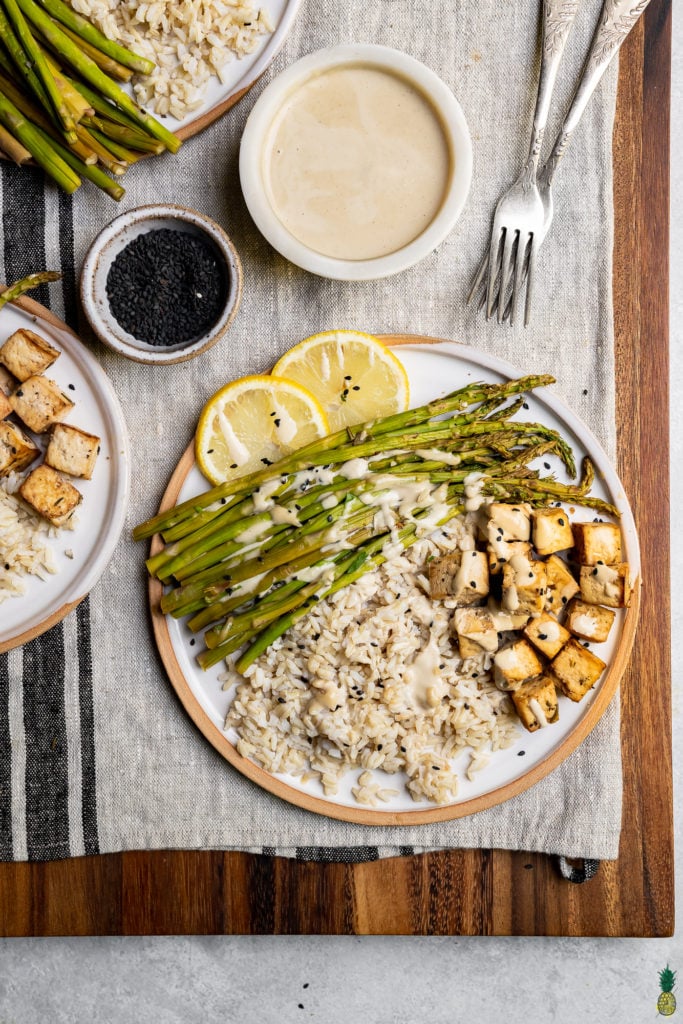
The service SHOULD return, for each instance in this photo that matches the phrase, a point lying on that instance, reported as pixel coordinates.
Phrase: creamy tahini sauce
(357, 163)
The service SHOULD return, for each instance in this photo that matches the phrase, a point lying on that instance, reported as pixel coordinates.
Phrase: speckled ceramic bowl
(113, 239)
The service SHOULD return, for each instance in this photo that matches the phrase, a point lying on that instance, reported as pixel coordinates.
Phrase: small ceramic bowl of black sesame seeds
(161, 284)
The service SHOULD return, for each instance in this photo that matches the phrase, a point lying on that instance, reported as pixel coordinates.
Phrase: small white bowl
(113, 239)
(255, 139)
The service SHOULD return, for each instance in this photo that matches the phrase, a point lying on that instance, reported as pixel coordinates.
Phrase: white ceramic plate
(102, 511)
(433, 370)
(240, 73)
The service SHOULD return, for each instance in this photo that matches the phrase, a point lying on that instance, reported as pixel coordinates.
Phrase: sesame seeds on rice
(371, 680)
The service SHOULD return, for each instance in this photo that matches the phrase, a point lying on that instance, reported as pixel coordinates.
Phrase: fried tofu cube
(504, 620)
(476, 632)
(8, 383)
(514, 664)
(17, 451)
(551, 530)
(5, 407)
(524, 586)
(502, 551)
(50, 495)
(606, 584)
(560, 584)
(536, 703)
(546, 634)
(72, 451)
(39, 403)
(596, 543)
(26, 354)
(508, 522)
(461, 575)
(576, 669)
(589, 621)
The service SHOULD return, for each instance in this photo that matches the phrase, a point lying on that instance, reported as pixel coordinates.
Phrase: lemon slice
(353, 375)
(253, 422)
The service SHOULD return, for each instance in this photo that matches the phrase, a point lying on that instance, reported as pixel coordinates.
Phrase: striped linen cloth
(96, 753)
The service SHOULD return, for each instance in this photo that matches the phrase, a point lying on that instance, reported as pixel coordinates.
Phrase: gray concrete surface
(378, 980)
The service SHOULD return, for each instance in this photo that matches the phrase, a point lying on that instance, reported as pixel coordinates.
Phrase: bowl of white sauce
(356, 162)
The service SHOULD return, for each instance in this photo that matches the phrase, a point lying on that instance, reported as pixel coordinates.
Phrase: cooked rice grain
(338, 692)
(190, 42)
(24, 535)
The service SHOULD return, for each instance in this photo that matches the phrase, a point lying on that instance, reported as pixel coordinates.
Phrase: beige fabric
(159, 784)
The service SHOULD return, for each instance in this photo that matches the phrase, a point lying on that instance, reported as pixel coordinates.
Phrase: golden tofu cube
(39, 403)
(606, 584)
(560, 586)
(461, 575)
(514, 664)
(8, 383)
(502, 551)
(476, 632)
(508, 522)
(72, 451)
(551, 530)
(5, 407)
(576, 669)
(597, 542)
(50, 495)
(589, 621)
(524, 586)
(546, 634)
(17, 451)
(504, 620)
(26, 354)
(536, 703)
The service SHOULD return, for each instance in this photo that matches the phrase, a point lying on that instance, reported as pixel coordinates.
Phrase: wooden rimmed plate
(434, 368)
(81, 554)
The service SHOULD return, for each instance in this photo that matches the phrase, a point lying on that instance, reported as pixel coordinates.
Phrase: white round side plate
(102, 511)
(435, 370)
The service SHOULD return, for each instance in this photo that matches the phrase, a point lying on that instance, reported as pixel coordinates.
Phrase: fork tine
(481, 273)
(494, 264)
(518, 284)
(505, 267)
(533, 252)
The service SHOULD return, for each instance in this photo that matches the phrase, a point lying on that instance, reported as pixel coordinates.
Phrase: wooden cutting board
(469, 892)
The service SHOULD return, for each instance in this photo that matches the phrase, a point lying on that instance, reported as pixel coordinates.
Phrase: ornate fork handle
(558, 16)
(616, 21)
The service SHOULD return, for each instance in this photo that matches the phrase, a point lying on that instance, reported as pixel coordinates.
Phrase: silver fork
(519, 215)
(616, 21)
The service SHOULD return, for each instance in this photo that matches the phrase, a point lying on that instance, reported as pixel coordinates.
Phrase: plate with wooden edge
(82, 553)
(531, 756)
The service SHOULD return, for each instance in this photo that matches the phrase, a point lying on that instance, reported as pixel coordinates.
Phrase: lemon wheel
(253, 422)
(353, 375)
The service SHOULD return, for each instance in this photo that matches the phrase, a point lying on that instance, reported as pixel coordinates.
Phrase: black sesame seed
(273, 414)
(266, 462)
(525, 405)
(233, 465)
(521, 753)
(209, 451)
(348, 377)
(542, 636)
(403, 750)
(356, 387)
(528, 867)
(561, 521)
(585, 391)
(595, 571)
(546, 465)
(72, 387)
(473, 583)
(192, 642)
(278, 422)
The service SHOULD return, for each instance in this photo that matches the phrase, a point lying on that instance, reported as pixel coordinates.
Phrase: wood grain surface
(469, 892)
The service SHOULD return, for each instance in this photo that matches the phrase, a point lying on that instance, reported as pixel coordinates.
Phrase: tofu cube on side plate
(476, 631)
(52, 497)
(26, 354)
(17, 451)
(576, 669)
(72, 451)
(39, 403)
(536, 703)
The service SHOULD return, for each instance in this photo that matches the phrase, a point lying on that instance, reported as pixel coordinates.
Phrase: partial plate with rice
(486, 776)
(208, 54)
(76, 557)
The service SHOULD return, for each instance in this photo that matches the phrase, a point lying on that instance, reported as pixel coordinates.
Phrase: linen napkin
(96, 753)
